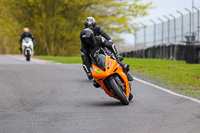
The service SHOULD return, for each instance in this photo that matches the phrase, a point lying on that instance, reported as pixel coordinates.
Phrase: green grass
(61, 59)
(184, 78)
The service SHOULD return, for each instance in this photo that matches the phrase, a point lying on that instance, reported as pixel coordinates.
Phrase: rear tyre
(122, 97)
(28, 56)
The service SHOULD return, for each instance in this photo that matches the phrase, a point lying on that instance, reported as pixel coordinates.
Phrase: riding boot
(130, 78)
(97, 85)
(130, 96)
(89, 75)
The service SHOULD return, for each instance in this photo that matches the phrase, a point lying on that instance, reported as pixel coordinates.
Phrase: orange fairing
(112, 67)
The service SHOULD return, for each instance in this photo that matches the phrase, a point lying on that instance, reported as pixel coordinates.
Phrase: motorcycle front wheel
(118, 92)
(28, 56)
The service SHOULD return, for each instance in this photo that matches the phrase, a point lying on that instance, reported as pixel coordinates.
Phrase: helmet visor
(90, 23)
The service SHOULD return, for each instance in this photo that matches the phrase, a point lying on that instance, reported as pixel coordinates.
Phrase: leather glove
(119, 57)
(110, 41)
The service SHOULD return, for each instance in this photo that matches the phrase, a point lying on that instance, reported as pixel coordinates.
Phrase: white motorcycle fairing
(27, 48)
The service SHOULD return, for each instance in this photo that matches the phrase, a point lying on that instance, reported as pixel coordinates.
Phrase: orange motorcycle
(109, 74)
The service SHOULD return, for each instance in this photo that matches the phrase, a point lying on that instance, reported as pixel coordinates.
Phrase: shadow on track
(111, 103)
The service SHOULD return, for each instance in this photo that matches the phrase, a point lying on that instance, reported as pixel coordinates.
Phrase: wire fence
(171, 29)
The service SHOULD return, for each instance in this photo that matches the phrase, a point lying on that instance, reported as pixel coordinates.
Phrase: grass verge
(61, 59)
(182, 77)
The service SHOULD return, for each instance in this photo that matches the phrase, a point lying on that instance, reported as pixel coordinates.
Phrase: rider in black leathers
(26, 33)
(97, 30)
(93, 45)
(90, 44)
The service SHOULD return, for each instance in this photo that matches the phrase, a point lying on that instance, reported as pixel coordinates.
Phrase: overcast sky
(164, 7)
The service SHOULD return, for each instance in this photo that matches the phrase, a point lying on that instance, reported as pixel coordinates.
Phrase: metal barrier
(175, 39)
(189, 52)
(170, 31)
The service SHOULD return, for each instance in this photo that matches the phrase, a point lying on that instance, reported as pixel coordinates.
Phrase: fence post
(197, 21)
(154, 31)
(144, 33)
(174, 27)
(135, 32)
(189, 21)
(168, 28)
(182, 30)
(162, 29)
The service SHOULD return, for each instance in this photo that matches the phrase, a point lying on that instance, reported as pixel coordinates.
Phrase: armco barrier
(160, 52)
(128, 54)
(147, 53)
(164, 52)
(189, 52)
(123, 54)
(193, 54)
(157, 52)
(198, 54)
(179, 52)
(134, 54)
(153, 52)
(141, 53)
(171, 52)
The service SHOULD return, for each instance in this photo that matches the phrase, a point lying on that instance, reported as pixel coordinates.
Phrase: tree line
(56, 24)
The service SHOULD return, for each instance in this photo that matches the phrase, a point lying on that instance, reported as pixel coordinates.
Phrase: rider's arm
(22, 36)
(112, 47)
(32, 37)
(103, 34)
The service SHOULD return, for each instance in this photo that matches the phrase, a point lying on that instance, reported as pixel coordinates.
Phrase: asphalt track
(40, 97)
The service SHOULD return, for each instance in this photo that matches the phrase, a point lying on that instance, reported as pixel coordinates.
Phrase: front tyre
(118, 92)
(28, 56)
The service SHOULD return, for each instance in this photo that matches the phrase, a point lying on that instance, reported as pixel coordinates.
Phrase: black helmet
(90, 23)
(87, 37)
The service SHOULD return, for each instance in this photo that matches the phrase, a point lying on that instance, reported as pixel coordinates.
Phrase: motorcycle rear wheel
(122, 97)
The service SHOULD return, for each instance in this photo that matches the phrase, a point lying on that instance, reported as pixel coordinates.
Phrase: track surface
(57, 98)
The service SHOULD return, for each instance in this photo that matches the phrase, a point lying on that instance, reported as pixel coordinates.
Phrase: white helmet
(26, 29)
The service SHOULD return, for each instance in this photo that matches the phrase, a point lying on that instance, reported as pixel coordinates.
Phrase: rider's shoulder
(97, 27)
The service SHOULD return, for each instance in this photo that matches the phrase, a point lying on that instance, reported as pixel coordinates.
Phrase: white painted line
(168, 91)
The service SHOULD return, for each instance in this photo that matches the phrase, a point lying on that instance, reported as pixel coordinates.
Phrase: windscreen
(101, 61)
(26, 39)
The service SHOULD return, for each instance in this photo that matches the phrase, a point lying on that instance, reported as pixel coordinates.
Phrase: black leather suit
(88, 52)
(27, 34)
(97, 30)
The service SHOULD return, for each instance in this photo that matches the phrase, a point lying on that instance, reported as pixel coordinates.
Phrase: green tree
(56, 24)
